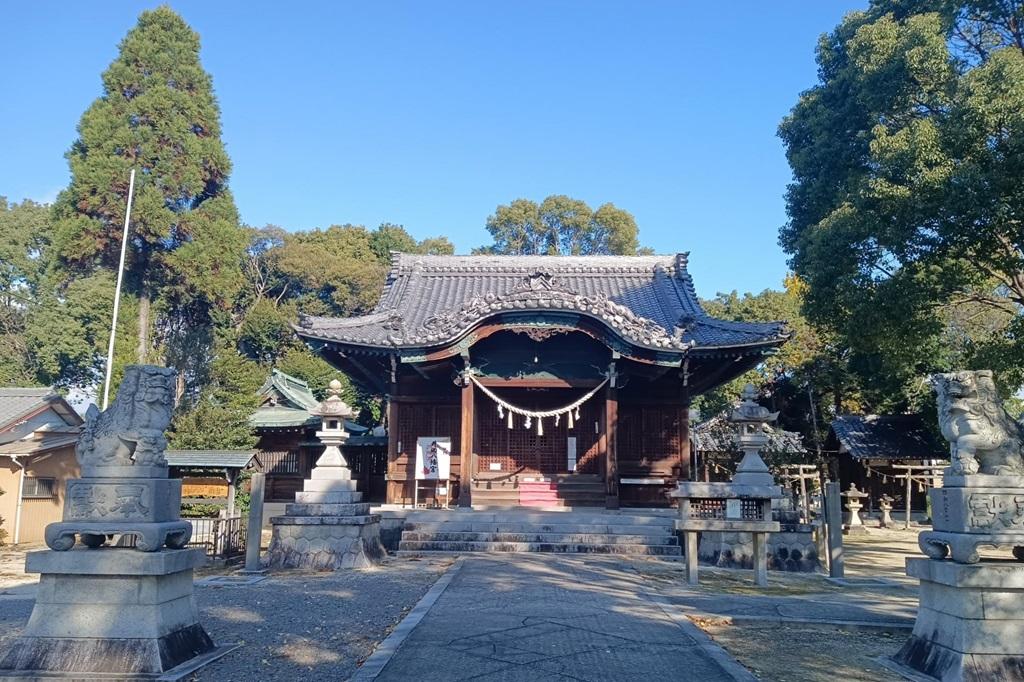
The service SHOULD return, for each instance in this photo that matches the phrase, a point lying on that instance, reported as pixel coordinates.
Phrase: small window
(39, 487)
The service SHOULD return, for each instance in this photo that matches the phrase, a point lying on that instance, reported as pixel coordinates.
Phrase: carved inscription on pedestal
(107, 502)
(996, 511)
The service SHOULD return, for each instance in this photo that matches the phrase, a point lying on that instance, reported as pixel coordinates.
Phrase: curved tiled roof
(716, 436)
(649, 301)
(894, 436)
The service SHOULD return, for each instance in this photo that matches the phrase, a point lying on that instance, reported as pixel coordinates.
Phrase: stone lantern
(854, 524)
(332, 434)
(885, 506)
(741, 506)
(328, 526)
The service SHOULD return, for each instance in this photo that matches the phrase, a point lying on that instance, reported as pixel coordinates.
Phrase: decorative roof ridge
(27, 392)
(346, 322)
(880, 417)
(393, 276)
(737, 325)
(292, 388)
(405, 263)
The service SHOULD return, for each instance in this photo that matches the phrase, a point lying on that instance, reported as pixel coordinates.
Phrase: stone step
(647, 531)
(521, 527)
(559, 538)
(405, 547)
(500, 493)
(624, 516)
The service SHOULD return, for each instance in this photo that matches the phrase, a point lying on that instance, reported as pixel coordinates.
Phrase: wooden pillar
(684, 445)
(611, 468)
(467, 458)
(395, 487)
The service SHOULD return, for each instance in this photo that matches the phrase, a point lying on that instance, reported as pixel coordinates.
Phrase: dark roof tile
(648, 300)
(901, 436)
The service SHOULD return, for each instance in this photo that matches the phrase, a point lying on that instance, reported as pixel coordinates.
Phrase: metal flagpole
(117, 292)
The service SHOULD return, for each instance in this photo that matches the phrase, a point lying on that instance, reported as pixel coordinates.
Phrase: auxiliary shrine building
(555, 379)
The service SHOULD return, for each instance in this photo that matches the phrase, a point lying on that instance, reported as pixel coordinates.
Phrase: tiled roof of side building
(717, 435)
(900, 436)
(17, 402)
(232, 459)
(649, 300)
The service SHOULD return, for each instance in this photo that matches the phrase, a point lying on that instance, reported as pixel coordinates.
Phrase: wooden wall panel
(522, 449)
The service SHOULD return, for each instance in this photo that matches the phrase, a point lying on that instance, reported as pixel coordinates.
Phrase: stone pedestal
(147, 508)
(792, 548)
(328, 526)
(113, 613)
(975, 511)
(970, 622)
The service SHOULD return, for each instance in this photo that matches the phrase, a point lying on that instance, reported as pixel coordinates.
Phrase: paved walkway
(553, 618)
(878, 607)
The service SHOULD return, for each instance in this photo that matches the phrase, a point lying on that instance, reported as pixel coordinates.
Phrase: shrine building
(558, 380)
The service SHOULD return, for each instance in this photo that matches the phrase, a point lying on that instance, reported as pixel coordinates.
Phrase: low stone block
(328, 485)
(331, 474)
(970, 621)
(142, 622)
(320, 497)
(324, 520)
(114, 561)
(314, 509)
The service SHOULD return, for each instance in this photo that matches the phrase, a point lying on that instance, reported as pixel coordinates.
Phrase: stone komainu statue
(983, 437)
(130, 433)
(124, 489)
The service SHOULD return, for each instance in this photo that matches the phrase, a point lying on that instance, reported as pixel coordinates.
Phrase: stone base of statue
(111, 613)
(328, 527)
(975, 511)
(969, 623)
(146, 508)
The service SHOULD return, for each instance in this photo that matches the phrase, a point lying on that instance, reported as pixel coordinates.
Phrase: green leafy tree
(806, 380)
(24, 232)
(158, 115)
(219, 416)
(333, 271)
(389, 237)
(561, 225)
(436, 246)
(906, 208)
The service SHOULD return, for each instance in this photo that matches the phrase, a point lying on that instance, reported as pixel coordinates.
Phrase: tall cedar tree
(158, 115)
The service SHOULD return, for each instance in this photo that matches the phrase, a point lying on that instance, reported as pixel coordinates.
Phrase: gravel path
(294, 626)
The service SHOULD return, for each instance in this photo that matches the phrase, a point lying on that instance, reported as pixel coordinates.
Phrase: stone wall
(796, 549)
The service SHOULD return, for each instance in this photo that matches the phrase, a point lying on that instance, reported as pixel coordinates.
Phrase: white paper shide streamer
(572, 410)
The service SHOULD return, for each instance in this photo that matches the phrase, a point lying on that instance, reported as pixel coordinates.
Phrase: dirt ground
(784, 653)
(813, 653)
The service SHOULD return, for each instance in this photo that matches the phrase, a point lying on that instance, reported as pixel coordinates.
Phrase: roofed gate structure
(558, 379)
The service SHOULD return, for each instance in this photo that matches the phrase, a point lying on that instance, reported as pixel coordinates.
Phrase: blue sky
(430, 114)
